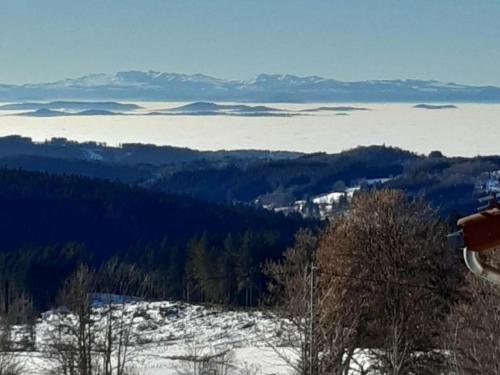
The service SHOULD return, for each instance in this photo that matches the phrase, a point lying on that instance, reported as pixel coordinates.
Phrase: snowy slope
(168, 332)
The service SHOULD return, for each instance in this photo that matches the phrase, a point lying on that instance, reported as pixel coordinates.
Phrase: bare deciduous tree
(91, 337)
(206, 360)
(473, 330)
(290, 296)
(381, 282)
(72, 338)
(383, 277)
(9, 362)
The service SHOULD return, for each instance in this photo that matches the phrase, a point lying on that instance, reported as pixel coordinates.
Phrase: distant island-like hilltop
(44, 112)
(435, 106)
(71, 106)
(213, 107)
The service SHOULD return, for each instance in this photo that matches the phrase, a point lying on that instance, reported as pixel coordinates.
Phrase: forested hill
(127, 154)
(448, 183)
(287, 180)
(50, 223)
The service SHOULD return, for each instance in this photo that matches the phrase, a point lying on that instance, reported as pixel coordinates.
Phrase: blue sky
(448, 40)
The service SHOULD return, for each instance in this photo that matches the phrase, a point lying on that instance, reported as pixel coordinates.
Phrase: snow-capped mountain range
(151, 85)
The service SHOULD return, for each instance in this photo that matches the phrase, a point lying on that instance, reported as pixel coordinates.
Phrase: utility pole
(6, 297)
(312, 350)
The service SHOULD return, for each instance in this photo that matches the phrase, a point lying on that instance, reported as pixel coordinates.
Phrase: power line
(318, 272)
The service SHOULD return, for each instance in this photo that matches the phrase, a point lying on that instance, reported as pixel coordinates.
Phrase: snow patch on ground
(92, 155)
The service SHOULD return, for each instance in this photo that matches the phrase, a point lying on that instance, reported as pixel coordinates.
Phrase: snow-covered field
(167, 333)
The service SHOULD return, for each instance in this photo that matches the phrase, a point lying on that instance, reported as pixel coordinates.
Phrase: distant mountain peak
(155, 85)
(287, 79)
